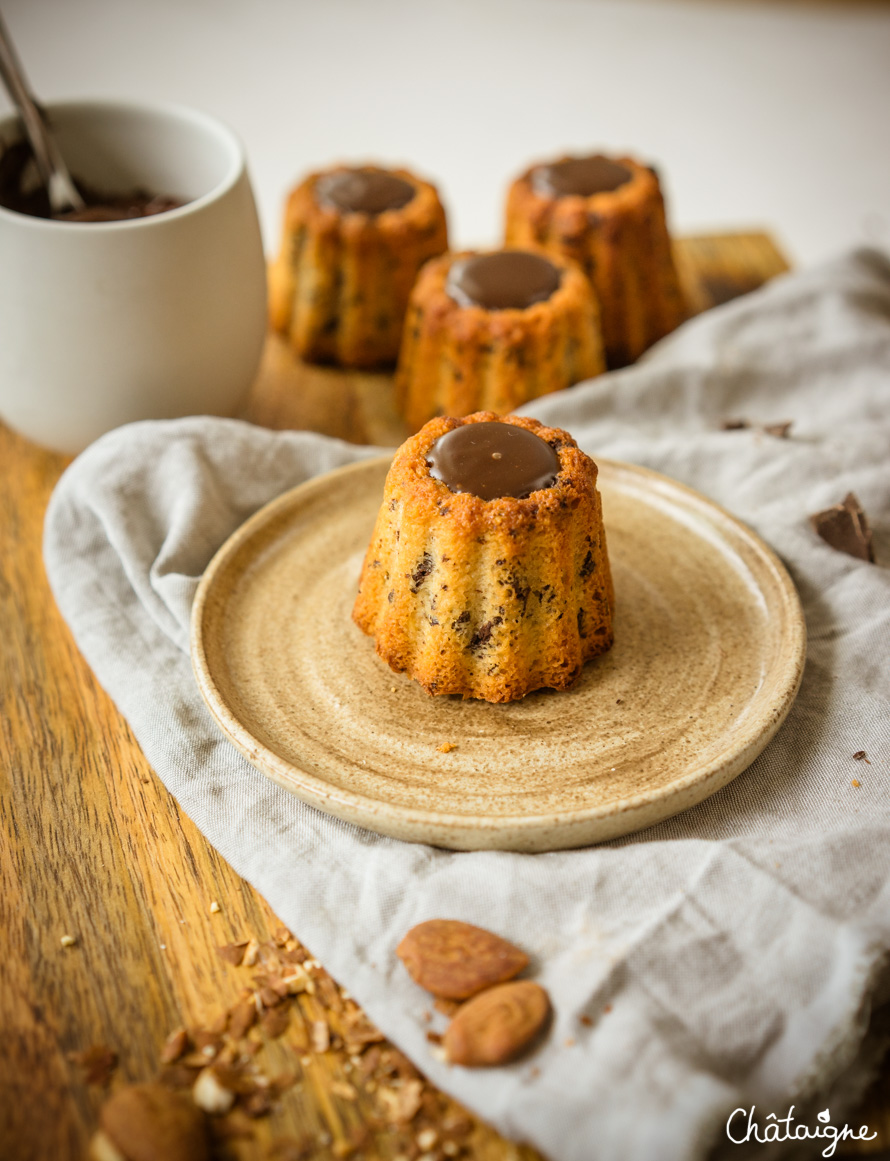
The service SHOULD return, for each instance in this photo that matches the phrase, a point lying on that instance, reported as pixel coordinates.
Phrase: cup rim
(206, 121)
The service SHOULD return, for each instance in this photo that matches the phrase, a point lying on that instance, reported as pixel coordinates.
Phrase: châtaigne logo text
(744, 1126)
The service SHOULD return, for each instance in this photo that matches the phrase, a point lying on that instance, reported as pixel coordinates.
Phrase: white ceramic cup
(149, 318)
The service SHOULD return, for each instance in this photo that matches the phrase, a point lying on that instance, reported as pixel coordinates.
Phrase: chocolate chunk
(362, 191)
(423, 570)
(483, 634)
(505, 280)
(845, 528)
(493, 459)
(580, 176)
(734, 425)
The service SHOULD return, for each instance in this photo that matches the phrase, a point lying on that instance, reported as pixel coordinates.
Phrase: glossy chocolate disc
(505, 280)
(361, 191)
(493, 459)
(582, 176)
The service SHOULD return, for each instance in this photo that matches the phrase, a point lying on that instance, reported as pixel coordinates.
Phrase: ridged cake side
(487, 598)
(455, 360)
(340, 286)
(620, 239)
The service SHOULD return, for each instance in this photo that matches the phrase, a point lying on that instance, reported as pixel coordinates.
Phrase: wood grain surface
(93, 847)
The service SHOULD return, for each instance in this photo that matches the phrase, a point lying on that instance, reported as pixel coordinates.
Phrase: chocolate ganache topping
(493, 459)
(362, 191)
(580, 176)
(506, 280)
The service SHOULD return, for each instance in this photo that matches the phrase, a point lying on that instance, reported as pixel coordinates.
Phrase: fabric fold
(723, 958)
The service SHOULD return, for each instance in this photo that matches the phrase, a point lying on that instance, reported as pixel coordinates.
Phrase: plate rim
(527, 832)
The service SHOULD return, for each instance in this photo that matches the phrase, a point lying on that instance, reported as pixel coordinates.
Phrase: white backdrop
(757, 115)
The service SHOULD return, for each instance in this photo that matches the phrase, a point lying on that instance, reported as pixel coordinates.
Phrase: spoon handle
(60, 187)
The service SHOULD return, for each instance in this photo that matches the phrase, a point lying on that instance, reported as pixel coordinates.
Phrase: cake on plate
(487, 573)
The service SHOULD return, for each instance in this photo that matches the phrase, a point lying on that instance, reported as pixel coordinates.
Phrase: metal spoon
(60, 188)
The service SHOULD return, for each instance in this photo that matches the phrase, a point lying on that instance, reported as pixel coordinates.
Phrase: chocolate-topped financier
(493, 330)
(354, 239)
(608, 215)
(487, 573)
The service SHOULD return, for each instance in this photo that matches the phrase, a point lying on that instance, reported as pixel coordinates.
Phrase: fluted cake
(487, 574)
(608, 215)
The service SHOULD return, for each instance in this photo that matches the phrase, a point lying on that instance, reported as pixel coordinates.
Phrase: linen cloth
(724, 958)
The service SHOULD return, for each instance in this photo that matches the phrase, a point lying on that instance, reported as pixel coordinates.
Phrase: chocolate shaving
(861, 756)
(778, 430)
(845, 528)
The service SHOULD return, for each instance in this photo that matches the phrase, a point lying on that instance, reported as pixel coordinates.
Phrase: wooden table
(93, 847)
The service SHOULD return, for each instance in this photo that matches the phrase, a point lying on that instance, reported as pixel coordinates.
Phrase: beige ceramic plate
(708, 655)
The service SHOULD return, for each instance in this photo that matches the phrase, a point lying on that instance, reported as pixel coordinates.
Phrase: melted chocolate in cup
(493, 459)
(506, 280)
(18, 195)
(358, 191)
(122, 209)
(581, 176)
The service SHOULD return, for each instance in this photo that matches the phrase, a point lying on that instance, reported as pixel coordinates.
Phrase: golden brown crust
(339, 288)
(455, 359)
(487, 598)
(620, 239)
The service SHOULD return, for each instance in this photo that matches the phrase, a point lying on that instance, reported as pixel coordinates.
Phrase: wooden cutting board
(92, 846)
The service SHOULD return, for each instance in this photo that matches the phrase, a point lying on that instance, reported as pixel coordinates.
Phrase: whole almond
(495, 1026)
(148, 1122)
(456, 960)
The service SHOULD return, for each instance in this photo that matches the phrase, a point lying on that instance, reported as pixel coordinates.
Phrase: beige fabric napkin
(725, 958)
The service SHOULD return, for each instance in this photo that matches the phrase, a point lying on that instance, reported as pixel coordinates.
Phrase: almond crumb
(426, 1139)
(215, 908)
(321, 1036)
(68, 941)
(98, 1063)
(175, 1046)
(210, 1095)
(251, 953)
